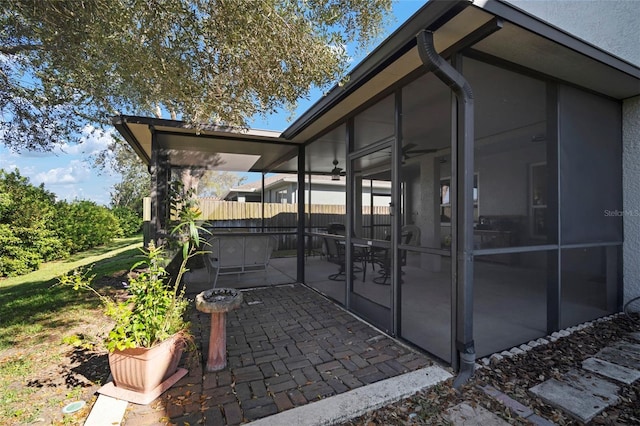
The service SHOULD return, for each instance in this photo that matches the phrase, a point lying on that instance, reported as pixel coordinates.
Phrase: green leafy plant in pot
(151, 330)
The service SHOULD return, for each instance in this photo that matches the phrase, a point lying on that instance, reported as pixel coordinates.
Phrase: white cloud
(91, 142)
(75, 172)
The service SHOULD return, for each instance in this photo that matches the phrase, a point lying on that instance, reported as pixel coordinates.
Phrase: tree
(135, 182)
(26, 212)
(64, 64)
(83, 224)
(216, 184)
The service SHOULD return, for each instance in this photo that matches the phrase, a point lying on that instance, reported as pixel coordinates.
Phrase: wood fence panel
(283, 217)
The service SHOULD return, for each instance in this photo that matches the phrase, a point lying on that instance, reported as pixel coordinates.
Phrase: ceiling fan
(408, 151)
(337, 171)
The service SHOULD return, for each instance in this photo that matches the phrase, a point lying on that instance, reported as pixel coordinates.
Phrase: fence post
(146, 221)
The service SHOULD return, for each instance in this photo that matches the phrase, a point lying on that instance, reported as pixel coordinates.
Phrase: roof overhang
(211, 147)
(518, 39)
(523, 41)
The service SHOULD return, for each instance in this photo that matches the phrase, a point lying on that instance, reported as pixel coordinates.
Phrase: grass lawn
(50, 335)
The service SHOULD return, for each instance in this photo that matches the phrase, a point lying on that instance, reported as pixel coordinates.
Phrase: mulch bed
(514, 376)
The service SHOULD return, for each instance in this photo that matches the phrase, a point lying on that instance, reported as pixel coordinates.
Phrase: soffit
(186, 146)
(535, 52)
(447, 35)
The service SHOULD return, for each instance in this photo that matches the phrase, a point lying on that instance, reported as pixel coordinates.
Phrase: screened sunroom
(499, 140)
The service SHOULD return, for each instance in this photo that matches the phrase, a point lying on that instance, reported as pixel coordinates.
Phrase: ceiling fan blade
(421, 151)
(408, 147)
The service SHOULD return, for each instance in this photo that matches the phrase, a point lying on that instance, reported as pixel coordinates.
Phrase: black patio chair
(382, 257)
(336, 254)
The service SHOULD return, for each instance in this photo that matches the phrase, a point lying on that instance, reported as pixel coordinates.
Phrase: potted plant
(151, 329)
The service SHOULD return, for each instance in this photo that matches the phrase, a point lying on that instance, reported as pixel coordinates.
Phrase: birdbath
(218, 302)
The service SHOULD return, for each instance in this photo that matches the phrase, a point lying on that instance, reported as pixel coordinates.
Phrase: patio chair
(238, 254)
(410, 237)
(336, 254)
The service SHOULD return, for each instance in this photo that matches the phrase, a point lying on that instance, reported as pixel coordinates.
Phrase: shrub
(83, 224)
(129, 221)
(15, 259)
(26, 238)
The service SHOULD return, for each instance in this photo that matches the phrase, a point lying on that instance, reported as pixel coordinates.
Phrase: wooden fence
(284, 217)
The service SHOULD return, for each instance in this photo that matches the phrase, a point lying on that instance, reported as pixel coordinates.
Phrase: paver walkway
(287, 346)
(584, 393)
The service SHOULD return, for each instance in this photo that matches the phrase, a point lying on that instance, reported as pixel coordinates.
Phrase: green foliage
(156, 306)
(34, 228)
(152, 312)
(129, 221)
(135, 182)
(16, 258)
(67, 63)
(83, 224)
(34, 318)
(26, 212)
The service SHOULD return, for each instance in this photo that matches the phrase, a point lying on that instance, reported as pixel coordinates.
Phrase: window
(281, 196)
(538, 199)
(445, 199)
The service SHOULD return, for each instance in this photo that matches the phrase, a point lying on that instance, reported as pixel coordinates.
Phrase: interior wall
(507, 173)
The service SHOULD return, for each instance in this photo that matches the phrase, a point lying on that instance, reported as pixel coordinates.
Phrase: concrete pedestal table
(218, 302)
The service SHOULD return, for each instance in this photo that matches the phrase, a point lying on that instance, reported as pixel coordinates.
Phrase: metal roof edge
(179, 124)
(433, 14)
(120, 123)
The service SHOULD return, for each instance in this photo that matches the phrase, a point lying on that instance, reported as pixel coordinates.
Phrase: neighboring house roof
(275, 180)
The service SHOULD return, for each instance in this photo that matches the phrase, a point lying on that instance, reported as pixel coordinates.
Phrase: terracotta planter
(144, 369)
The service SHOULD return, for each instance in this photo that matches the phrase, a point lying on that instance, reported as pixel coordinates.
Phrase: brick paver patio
(287, 346)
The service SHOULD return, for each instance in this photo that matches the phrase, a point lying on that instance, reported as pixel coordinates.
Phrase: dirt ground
(67, 363)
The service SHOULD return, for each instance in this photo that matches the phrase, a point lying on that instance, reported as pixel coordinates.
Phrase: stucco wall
(631, 195)
(610, 25)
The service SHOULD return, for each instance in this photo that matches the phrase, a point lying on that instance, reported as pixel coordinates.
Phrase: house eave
(339, 101)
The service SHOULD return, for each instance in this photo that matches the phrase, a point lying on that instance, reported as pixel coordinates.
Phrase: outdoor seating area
(238, 253)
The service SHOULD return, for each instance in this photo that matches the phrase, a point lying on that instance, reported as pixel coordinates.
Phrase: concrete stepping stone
(620, 357)
(578, 403)
(635, 336)
(591, 383)
(465, 415)
(632, 348)
(613, 371)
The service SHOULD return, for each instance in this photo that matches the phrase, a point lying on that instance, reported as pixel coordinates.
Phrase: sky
(68, 173)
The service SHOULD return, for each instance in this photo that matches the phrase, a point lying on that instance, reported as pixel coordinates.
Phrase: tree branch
(12, 50)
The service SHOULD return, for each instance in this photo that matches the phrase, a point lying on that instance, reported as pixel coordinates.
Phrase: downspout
(464, 219)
